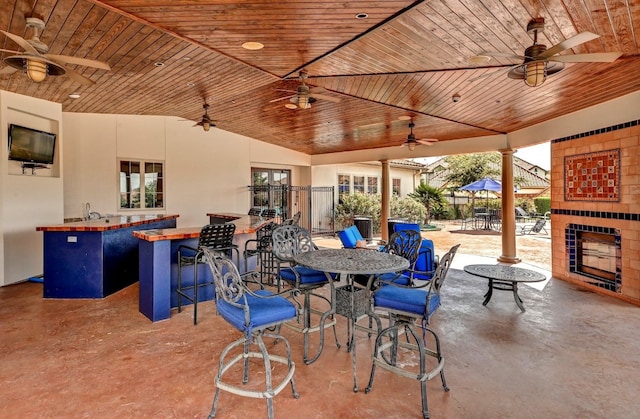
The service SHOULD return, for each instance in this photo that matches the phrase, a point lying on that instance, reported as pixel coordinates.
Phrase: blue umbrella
(486, 184)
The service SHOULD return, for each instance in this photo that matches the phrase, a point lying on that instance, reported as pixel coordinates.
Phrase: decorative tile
(592, 176)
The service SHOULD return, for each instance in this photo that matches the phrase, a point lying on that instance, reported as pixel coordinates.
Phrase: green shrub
(542, 204)
(369, 205)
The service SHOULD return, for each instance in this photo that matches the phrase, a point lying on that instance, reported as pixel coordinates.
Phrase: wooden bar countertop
(108, 223)
(245, 224)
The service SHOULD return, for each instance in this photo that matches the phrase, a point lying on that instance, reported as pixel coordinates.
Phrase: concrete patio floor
(572, 354)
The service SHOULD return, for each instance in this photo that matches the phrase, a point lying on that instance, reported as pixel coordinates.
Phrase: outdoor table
(504, 278)
(351, 262)
(487, 219)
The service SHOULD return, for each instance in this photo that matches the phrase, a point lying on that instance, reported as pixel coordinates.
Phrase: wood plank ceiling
(403, 59)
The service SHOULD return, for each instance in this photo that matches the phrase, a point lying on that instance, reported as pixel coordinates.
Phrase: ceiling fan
(538, 62)
(412, 142)
(35, 61)
(206, 122)
(303, 97)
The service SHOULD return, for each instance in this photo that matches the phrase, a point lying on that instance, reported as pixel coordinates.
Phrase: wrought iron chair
(254, 313)
(406, 306)
(213, 236)
(405, 243)
(427, 261)
(295, 220)
(261, 247)
(269, 213)
(255, 211)
(289, 241)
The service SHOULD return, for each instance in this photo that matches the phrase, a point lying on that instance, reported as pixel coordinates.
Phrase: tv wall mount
(33, 167)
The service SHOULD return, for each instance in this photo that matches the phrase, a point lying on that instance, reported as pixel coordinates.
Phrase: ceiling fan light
(303, 102)
(411, 145)
(206, 125)
(36, 70)
(535, 73)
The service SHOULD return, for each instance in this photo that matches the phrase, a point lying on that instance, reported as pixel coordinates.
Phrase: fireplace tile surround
(621, 218)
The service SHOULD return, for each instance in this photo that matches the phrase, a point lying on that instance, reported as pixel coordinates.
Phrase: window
(395, 186)
(372, 185)
(141, 179)
(270, 189)
(344, 182)
(358, 184)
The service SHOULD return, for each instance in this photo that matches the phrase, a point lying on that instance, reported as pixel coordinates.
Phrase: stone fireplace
(595, 254)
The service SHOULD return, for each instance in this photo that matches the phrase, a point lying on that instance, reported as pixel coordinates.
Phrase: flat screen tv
(31, 145)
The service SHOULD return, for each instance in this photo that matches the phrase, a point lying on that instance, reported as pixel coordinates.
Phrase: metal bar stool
(212, 236)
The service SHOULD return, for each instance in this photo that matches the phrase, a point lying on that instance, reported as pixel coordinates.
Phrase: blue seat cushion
(263, 311)
(350, 237)
(406, 299)
(425, 261)
(307, 275)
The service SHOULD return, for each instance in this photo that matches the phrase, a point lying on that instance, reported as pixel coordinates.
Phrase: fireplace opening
(596, 255)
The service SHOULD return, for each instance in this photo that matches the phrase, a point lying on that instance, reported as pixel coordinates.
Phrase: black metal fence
(315, 203)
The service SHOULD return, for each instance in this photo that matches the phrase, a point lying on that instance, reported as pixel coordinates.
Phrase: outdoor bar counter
(94, 258)
(158, 262)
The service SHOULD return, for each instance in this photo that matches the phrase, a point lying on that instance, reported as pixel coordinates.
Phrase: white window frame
(142, 192)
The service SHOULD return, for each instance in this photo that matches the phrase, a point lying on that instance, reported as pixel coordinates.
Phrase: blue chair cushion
(406, 299)
(426, 252)
(263, 311)
(307, 275)
(350, 237)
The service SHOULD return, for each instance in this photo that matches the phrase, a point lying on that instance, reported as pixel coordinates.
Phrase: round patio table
(504, 278)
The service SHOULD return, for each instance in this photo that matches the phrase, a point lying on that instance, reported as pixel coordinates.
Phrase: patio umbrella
(485, 184)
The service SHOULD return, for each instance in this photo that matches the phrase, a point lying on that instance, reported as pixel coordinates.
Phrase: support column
(385, 210)
(508, 210)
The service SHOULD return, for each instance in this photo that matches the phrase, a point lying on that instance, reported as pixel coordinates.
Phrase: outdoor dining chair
(260, 247)
(255, 314)
(409, 308)
(287, 242)
(213, 236)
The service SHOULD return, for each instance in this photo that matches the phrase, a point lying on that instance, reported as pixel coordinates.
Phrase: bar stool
(213, 236)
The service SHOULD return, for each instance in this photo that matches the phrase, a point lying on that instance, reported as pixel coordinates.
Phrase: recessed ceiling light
(362, 16)
(404, 118)
(159, 64)
(291, 106)
(253, 46)
(190, 84)
(479, 59)
(74, 95)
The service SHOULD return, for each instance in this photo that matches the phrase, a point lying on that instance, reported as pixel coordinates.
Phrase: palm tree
(428, 196)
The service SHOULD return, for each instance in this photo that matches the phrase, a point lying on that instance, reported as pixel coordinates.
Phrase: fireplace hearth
(594, 253)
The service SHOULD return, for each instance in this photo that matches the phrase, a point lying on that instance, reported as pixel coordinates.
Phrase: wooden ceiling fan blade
(574, 41)
(21, 42)
(79, 78)
(10, 50)
(281, 98)
(66, 59)
(427, 141)
(598, 57)
(326, 97)
(7, 70)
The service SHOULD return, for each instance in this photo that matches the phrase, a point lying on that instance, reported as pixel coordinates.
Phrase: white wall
(327, 175)
(27, 200)
(204, 171)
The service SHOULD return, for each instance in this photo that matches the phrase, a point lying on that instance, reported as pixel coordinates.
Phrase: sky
(540, 155)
